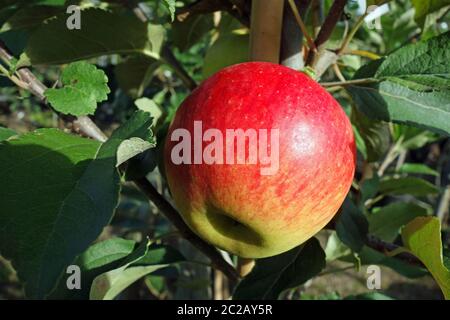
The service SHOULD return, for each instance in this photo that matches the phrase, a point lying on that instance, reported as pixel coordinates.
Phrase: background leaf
(352, 226)
(5, 133)
(407, 185)
(102, 33)
(422, 237)
(386, 222)
(375, 135)
(271, 276)
(425, 7)
(82, 179)
(135, 73)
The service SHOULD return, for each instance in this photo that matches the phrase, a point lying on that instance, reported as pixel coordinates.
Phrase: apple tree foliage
(66, 199)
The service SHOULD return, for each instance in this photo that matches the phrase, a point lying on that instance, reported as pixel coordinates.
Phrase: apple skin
(233, 206)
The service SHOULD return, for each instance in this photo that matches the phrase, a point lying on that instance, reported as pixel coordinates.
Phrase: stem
(169, 58)
(352, 33)
(265, 30)
(392, 154)
(362, 53)
(338, 72)
(349, 82)
(245, 266)
(13, 78)
(444, 204)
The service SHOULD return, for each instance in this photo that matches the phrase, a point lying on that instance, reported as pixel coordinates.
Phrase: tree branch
(265, 30)
(239, 9)
(386, 247)
(164, 206)
(169, 58)
(382, 246)
(89, 128)
(335, 13)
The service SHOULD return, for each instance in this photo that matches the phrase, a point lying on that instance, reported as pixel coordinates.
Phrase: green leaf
(386, 222)
(132, 147)
(389, 101)
(30, 17)
(335, 248)
(271, 276)
(97, 259)
(422, 60)
(6, 133)
(352, 226)
(411, 86)
(102, 33)
(369, 189)
(407, 185)
(368, 256)
(188, 32)
(417, 168)
(108, 285)
(150, 106)
(412, 137)
(159, 254)
(135, 73)
(422, 237)
(375, 134)
(227, 50)
(84, 87)
(425, 7)
(80, 183)
(105, 252)
(170, 5)
(61, 168)
(112, 254)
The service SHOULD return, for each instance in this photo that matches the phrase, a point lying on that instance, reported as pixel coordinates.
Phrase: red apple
(259, 208)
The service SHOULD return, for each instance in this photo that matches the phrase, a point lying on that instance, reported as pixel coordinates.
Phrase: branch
(88, 127)
(239, 9)
(327, 28)
(352, 33)
(386, 247)
(37, 88)
(169, 58)
(382, 246)
(265, 30)
(164, 206)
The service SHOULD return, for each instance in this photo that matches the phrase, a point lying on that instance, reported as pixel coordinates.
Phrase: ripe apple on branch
(233, 205)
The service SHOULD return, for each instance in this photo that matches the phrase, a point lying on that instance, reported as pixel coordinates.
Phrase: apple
(304, 150)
